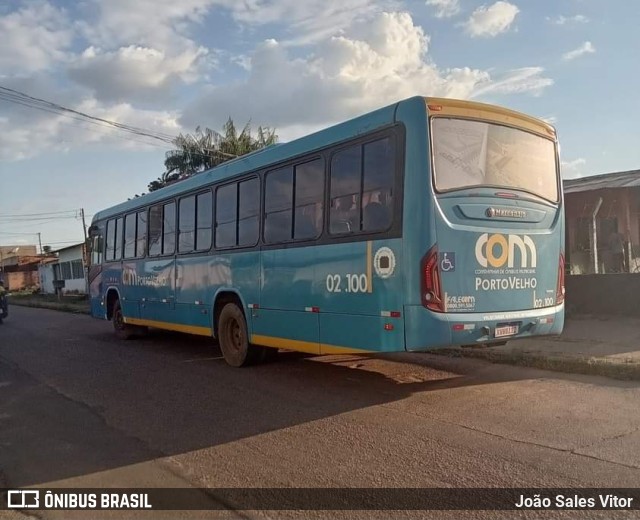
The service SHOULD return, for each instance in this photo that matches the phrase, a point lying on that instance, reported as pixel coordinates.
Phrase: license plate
(506, 330)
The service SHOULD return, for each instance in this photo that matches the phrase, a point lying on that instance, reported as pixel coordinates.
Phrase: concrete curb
(599, 366)
(53, 306)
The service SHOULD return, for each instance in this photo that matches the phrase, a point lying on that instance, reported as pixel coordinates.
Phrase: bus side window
(155, 230)
(141, 234)
(204, 218)
(344, 216)
(130, 236)
(248, 212)
(309, 197)
(226, 215)
(111, 240)
(379, 166)
(96, 250)
(278, 205)
(186, 224)
(169, 229)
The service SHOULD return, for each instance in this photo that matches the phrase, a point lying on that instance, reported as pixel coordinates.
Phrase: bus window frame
(196, 194)
(162, 203)
(293, 163)
(236, 180)
(398, 188)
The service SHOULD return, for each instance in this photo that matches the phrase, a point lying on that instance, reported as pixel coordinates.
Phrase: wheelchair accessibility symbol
(447, 262)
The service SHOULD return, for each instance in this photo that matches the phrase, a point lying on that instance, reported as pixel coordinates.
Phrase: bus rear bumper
(425, 329)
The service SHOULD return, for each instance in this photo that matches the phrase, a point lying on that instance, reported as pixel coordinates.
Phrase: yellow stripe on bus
(189, 329)
(267, 341)
(303, 346)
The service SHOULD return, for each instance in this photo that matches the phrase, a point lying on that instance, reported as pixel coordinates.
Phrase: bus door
(498, 219)
(94, 273)
(156, 278)
(156, 275)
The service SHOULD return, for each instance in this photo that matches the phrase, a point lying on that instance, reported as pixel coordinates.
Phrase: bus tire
(234, 338)
(122, 330)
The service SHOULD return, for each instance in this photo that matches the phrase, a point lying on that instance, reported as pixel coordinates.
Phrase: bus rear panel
(492, 267)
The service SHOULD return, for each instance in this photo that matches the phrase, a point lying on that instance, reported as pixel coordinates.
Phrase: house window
(77, 269)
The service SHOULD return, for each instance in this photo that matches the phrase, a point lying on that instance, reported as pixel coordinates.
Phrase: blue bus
(428, 223)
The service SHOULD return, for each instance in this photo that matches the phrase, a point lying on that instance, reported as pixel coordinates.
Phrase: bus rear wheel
(234, 338)
(122, 330)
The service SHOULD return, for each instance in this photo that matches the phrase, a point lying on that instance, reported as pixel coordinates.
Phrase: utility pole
(85, 267)
(40, 243)
(84, 224)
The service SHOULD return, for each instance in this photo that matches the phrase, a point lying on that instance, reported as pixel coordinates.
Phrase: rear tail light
(560, 287)
(431, 287)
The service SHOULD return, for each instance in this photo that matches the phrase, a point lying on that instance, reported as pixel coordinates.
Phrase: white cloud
(585, 48)
(491, 21)
(122, 22)
(445, 8)
(378, 59)
(135, 72)
(307, 21)
(27, 133)
(563, 20)
(34, 37)
(516, 81)
(377, 63)
(572, 169)
(160, 24)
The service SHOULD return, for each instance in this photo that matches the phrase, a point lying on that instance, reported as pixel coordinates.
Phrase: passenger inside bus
(375, 215)
(344, 215)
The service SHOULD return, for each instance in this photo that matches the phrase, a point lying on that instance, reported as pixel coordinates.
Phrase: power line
(9, 220)
(21, 98)
(26, 100)
(38, 214)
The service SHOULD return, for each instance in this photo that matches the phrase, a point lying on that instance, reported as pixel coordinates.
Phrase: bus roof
(318, 140)
(476, 110)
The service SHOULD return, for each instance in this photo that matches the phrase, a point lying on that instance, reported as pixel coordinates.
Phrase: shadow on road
(74, 400)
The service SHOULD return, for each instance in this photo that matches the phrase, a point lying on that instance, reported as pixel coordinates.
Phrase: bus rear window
(475, 153)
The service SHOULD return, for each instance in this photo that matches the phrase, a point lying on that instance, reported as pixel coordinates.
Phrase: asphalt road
(78, 408)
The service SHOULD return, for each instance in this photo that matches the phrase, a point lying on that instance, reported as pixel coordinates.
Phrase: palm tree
(207, 148)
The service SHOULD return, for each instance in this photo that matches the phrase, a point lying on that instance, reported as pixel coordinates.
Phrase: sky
(169, 66)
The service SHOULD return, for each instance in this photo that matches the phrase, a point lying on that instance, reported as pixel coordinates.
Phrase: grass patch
(78, 303)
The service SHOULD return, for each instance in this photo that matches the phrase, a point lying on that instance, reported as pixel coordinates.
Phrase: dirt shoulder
(70, 303)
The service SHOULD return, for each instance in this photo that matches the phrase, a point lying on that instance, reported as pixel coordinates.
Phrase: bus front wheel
(234, 338)
(122, 330)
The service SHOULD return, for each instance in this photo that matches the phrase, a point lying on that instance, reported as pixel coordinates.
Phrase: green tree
(206, 148)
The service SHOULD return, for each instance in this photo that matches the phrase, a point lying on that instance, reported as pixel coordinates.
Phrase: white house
(69, 267)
